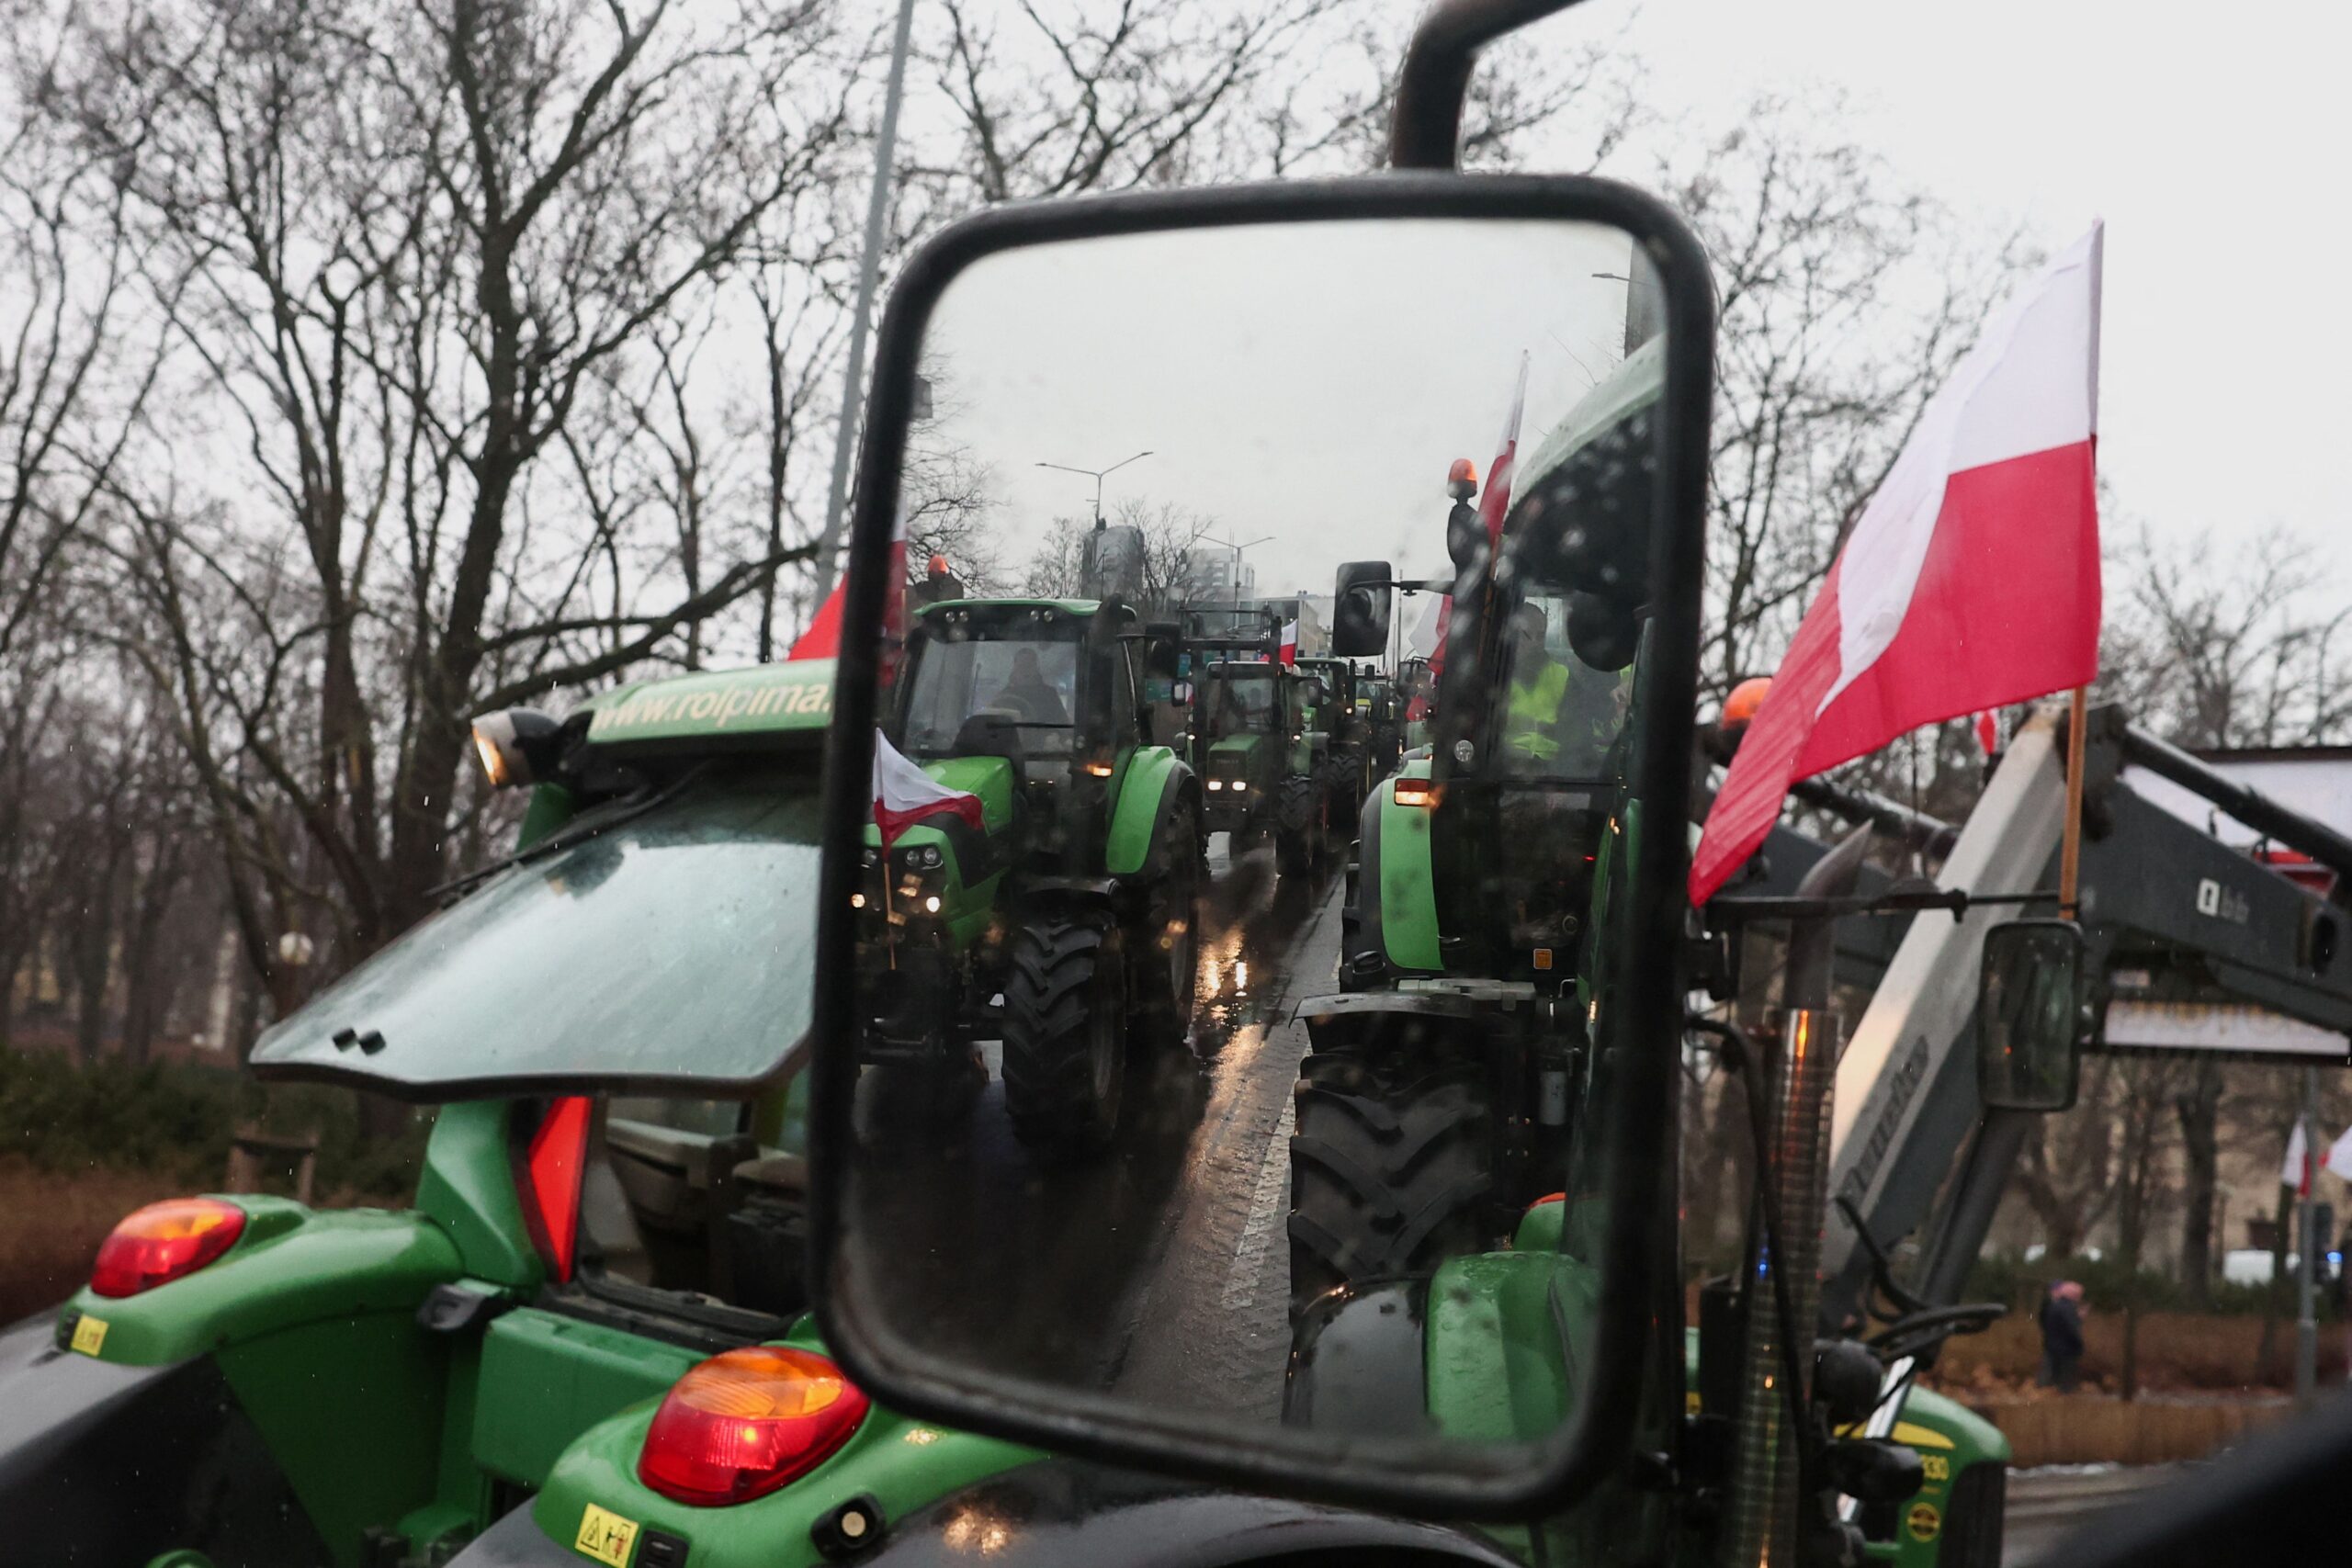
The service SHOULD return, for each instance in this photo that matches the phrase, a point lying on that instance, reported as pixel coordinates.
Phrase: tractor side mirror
(1033, 1216)
(1359, 608)
(2030, 1013)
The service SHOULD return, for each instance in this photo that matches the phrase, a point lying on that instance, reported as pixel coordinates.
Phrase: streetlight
(869, 273)
(1096, 475)
(1643, 307)
(1233, 583)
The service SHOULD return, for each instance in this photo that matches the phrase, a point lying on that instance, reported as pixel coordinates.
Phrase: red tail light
(744, 1423)
(553, 1170)
(164, 1241)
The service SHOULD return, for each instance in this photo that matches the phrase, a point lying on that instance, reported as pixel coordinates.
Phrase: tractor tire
(1296, 827)
(1065, 1035)
(1391, 1167)
(1167, 948)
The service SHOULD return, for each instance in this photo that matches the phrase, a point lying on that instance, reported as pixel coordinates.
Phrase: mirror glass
(1159, 1107)
(2029, 1016)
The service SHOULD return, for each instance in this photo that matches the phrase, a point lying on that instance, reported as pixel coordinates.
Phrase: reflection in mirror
(2029, 1016)
(1235, 997)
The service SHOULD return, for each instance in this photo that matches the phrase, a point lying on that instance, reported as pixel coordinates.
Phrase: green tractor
(1054, 912)
(1346, 732)
(1380, 709)
(1259, 762)
(613, 1022)
(1485, 866)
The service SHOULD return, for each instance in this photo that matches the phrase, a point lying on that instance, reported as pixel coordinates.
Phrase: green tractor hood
(664, 944)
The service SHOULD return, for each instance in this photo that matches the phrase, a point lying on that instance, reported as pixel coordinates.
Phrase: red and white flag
(823, 637)
(2295, 1170)
(904, 795)
(1288, 652)
(2339, 1155)
(1494, 500)
(1971, 580)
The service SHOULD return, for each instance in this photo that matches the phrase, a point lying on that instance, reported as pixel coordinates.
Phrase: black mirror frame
(2082, 1033)
(1521, 1483)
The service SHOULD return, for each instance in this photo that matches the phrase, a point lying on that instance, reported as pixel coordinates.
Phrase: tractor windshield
(675, 947)
(1033, 681)
(1242, 703)
(1560, 720)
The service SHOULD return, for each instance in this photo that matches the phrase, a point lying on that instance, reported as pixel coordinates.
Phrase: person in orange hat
(939, 583)
(1738, 712)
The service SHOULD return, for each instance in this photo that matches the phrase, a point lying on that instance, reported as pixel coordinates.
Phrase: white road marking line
(1267, 1201)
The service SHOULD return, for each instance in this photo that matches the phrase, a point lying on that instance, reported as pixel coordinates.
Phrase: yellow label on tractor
(607, 1537)
(1923, 1521)
(90, 1335)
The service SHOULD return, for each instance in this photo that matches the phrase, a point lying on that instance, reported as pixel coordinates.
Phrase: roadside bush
(177, 1120)
(2108, 1285)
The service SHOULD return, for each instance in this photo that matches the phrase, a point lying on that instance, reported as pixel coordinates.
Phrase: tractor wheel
(1390, 1168)
(1294, 826)
(1065, 1035)
(1167, 949)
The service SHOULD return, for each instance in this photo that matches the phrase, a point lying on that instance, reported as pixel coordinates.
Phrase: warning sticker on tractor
(1923, 1521)
(607, 1537)
(90, 1335)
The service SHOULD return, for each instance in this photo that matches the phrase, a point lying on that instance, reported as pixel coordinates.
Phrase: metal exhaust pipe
(1766, 1505)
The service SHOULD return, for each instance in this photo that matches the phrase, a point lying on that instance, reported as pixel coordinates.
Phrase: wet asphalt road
(2047, 1506)
(1160, 1270)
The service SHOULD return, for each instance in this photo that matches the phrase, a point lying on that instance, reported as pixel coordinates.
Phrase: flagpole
(2070, 855)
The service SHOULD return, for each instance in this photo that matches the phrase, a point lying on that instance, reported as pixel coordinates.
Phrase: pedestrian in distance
(2062, 1336)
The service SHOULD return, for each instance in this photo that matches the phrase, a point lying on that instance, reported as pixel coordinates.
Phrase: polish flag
(904, 795)
(1971, 580)
(823, 637)
(1494, 500)
(1288, 651)
(2295, 1170)
(1494, 503)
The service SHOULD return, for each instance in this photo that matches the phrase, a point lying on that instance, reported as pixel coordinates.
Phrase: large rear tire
(1295, 828)
(1167, 949)
(1065, 1035)
(1391, 1167)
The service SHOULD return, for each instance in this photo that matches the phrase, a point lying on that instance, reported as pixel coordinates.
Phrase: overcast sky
(2214, 139)
(1305, 384)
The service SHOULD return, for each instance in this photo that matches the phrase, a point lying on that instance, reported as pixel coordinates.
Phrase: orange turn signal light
(163, 1242)
(745, 1423)
(1415, 792)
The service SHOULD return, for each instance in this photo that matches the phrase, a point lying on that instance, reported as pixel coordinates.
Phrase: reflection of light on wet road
(976, 1531)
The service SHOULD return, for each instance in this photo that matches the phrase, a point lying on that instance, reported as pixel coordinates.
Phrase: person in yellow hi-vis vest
(1550, 709)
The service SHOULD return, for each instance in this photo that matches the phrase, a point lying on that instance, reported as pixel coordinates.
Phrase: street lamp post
(1096, 475)
(1232, 582)
(869, 273)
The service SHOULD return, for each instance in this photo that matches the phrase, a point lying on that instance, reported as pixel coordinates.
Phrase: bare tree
(403, 250)
(1169, 533)
(2250, 648)
(1845, 295)
(2148, 1086)
(2068, 1169)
